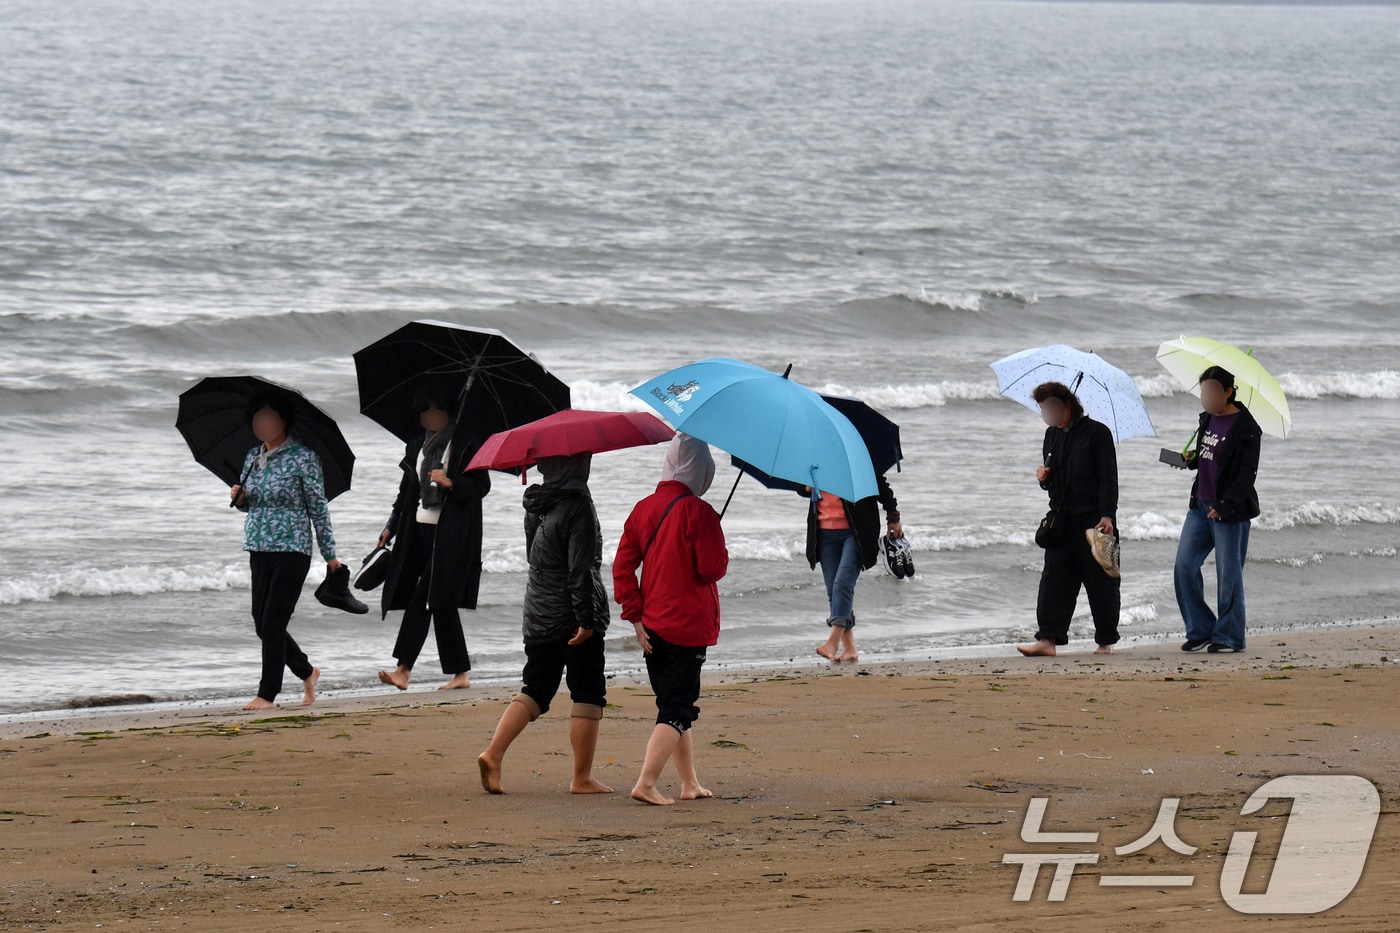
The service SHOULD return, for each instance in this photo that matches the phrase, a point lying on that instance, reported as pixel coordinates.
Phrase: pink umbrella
(568, 432)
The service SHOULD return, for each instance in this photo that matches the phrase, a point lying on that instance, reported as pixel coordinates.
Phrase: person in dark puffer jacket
(566, 615)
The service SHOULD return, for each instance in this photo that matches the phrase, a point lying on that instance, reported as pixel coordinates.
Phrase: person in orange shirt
(844, 538)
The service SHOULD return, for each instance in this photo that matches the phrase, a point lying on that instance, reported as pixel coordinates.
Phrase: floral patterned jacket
(286, 495)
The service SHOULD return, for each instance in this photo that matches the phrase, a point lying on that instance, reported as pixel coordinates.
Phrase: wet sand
(848, 798)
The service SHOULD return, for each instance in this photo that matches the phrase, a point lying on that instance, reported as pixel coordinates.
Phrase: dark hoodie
(564, 545)
(1235, 497)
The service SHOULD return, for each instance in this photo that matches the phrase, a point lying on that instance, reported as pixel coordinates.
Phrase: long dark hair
(1062, 392)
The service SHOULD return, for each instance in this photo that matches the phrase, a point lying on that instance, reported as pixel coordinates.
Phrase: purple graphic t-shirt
(1212, 455)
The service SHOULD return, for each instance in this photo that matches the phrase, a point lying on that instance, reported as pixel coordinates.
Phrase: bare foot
(848, 647)
(398, 678)
(490, 774)
(651, 796)
(1041, 649)
(1104, 649)
(308, 693)
(260, 703)
(695, 793)
(830, 652)
(460, 682)
(591, 786)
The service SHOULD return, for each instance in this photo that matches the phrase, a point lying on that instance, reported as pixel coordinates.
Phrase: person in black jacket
(566, 615)
(844, 537)
(435, 567)
(1080, 471)
(1223, 501)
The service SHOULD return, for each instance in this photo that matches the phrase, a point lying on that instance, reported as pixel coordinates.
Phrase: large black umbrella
(498, 385)
(881, 436)
(213, 420)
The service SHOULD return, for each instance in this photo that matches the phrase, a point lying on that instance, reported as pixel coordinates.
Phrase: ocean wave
(1313, 514)
(122, 581)
(916, 395)
(1382, 384)
(605, 396)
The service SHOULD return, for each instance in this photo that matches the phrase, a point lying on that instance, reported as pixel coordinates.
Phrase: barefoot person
(566, 615)
(675, 537)
(435, 567)
(1223, 501)
(1080, 471)
(844, 537)
(284, 494)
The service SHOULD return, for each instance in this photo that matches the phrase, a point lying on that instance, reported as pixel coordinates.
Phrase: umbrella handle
(731, 494)
(233, 503)
(1188, 443)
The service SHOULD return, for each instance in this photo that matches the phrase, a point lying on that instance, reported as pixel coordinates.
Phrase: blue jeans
(840, 559)
(1230, 541)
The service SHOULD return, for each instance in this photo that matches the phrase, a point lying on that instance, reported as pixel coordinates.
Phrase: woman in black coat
(435, 567)
(1223, 503)
(1080, 472)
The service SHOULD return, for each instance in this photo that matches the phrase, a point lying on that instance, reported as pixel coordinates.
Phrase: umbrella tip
(787, 371)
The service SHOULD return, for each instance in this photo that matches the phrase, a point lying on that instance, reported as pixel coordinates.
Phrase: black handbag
(1050, 533)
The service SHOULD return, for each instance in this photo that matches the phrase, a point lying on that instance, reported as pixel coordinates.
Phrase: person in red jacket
(675, 537)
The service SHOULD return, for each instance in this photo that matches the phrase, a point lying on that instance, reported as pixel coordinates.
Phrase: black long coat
(456, 562)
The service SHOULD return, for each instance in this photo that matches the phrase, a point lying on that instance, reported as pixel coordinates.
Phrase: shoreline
(1311, 645)
(869, 798)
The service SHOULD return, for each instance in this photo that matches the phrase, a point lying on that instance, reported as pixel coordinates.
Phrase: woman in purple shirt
(1223, 501)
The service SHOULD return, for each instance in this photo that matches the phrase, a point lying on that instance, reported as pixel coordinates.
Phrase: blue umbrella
(881, 436)
(784, 429)
(1107, 393)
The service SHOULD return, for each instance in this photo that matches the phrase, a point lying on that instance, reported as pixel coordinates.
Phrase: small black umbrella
(881, 436)
(213, 421)
(498, 385)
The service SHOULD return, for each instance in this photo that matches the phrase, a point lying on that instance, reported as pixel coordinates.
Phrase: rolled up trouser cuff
(524, 699)
(841, 622)
(586, 711)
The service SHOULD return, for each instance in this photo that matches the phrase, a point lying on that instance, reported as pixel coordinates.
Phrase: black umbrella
(881, 436)
(498, 385)
(213, 420)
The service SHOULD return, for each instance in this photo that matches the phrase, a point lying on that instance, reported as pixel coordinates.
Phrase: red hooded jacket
(677, 597)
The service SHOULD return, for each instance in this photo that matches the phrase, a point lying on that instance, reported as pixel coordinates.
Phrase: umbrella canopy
(565, 433)
(881, 436)
(1107, 393)
(213, 420)
(1187, 357)
(784, 429)
(497, 384)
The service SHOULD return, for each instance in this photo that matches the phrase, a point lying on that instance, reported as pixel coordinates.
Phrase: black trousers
(674, 672)
(546, 665)
(277, 580)
(1068, 567)
(446, 621)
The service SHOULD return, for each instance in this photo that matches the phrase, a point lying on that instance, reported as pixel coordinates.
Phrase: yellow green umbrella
(1187, 357)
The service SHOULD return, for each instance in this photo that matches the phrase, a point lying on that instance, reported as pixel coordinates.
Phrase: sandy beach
(861, 798)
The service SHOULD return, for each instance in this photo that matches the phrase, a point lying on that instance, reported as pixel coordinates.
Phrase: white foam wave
(1309, 514)
(1384, 384)
(604, 396)
(922, 395)
(122, 581)
(963, 301)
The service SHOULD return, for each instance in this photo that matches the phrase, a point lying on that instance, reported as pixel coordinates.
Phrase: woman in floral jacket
(284, 494)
